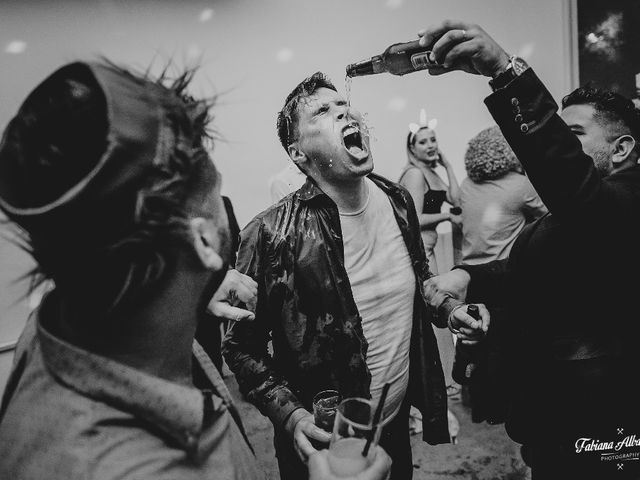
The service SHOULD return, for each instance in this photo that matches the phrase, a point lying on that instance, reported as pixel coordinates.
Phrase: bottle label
(420, 60)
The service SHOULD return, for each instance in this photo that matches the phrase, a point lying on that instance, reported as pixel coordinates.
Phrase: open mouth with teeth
(353, 141)
(431, 156)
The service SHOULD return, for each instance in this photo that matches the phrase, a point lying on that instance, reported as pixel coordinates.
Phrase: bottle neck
(366, 67)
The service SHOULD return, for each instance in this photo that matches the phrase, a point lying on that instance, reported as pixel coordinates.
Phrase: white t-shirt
(383, 285)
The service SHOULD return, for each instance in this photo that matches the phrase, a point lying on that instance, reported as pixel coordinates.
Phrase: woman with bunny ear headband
(427, 189)
(429, 192)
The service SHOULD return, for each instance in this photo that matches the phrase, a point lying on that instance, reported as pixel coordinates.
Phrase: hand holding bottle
(467, 354)
(469, 326)
(458, 45)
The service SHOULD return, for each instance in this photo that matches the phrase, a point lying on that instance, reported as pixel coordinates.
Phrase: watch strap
(504, 78)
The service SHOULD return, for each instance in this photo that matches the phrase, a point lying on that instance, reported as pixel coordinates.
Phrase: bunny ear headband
(431, 124)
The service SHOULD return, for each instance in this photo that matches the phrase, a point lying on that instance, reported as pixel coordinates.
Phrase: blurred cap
(101, 198)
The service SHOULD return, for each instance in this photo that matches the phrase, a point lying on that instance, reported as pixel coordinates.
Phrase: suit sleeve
(562, 174)
(532, 206)
(489, 281)
(245, 347)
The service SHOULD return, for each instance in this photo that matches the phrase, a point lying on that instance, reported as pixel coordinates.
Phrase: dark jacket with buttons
(305, 306)
(569, 282)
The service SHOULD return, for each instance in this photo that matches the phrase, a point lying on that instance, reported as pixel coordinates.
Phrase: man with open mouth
(340, 266)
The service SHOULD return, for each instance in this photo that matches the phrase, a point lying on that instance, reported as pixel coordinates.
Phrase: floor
(483, 452)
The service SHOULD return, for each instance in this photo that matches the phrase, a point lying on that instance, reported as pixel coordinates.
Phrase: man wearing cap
(106, 176)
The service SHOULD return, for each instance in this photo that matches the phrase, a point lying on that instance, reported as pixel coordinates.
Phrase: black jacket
(305, 305)
(569, 282)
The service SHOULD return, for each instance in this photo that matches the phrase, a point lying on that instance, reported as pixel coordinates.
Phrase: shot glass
(325, 404)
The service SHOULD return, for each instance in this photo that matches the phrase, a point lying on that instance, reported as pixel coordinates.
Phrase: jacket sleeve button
(515, 102)
(518, 118)
(524, 128)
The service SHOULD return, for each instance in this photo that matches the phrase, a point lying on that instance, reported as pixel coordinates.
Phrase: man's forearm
(442, 302)
(257, 378)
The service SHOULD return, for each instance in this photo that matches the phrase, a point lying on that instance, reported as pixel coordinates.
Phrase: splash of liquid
(347, 88)
(366, 127)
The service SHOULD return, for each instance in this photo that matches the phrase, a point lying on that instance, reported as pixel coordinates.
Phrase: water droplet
(206, 15)
(16, 47)
(284, 55)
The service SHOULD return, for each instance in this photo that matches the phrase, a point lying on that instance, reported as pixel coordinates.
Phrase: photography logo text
(624, 448)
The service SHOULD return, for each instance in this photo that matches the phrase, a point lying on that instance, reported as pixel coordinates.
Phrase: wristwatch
(515, 68)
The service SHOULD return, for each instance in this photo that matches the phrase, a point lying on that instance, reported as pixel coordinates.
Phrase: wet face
(425, 146)
(332, 143)
(593, 137)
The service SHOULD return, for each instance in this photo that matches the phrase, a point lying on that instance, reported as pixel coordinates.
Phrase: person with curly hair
(497, 199)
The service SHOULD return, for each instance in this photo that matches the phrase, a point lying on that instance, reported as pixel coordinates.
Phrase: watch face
(519, 65)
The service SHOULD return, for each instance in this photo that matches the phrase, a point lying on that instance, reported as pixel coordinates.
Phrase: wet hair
(489, 156)
(67, 135)
(615, 113)
(287, 121)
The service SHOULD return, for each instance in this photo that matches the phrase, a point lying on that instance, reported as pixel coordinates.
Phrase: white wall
(239, 47)
(254, 52)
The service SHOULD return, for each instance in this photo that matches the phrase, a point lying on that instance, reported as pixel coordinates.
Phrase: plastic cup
(352, 429)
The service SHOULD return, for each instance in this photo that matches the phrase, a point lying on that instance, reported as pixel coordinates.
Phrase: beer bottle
(398, 59)
(466, 356)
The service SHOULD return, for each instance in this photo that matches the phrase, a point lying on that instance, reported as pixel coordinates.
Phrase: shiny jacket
(306, 308)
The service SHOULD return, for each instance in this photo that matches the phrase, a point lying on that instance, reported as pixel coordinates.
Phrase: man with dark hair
(573, 323)
(107, 176)
(339, 265)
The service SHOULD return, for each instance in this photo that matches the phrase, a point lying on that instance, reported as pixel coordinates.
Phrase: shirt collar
(175, 409)
(310, 191)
